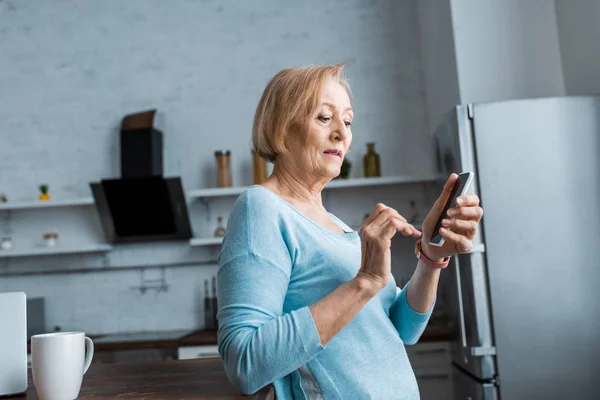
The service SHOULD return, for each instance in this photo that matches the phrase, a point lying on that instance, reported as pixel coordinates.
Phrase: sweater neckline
(349, 235)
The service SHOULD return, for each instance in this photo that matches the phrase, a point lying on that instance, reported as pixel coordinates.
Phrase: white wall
(70, 70)
(579, 36)
(438, 58)
(506, 49)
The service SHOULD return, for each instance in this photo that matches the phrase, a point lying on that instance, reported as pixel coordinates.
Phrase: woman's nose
(339, 130)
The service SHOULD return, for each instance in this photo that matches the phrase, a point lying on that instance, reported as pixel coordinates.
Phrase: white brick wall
(102, 302)
(70, 70)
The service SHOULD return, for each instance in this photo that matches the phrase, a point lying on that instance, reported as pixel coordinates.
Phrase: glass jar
(51, 240)
(223, 168)
(259, 166)
(220, 230)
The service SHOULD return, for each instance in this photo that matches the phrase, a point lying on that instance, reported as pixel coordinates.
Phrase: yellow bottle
(371, 162)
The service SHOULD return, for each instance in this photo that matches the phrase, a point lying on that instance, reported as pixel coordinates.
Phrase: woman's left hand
(458, 227)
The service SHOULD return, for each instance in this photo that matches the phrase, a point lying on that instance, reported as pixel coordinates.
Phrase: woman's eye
(348, 123)
(324, 118)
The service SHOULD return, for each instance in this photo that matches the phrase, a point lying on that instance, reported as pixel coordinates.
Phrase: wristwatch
(428, 261)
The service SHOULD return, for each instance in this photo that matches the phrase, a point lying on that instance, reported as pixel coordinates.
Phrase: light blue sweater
(275, 262)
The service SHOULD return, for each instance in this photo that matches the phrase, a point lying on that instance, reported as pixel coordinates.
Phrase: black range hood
(142, 205)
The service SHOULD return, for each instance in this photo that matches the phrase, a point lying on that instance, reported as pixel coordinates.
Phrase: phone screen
(460, 186)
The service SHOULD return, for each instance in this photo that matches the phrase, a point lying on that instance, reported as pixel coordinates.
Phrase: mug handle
(89, 353)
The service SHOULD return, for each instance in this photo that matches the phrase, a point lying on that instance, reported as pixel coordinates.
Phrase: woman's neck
(291, 184)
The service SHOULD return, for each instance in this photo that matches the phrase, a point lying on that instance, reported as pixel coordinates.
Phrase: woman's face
(321, 150)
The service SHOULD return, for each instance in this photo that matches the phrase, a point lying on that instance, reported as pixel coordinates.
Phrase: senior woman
(305, 302)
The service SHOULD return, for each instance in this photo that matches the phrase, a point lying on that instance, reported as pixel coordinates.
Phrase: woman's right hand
(376, 239)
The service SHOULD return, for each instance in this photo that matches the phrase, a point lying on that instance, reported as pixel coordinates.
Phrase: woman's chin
(333, 173)
(329, 171)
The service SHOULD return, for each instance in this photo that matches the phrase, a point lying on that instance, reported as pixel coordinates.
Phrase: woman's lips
(333, 153)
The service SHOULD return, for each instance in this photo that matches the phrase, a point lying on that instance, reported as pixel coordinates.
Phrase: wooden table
(188, 379)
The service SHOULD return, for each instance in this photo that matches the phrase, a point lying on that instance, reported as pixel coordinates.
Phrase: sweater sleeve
(409, 323)
(257, 341)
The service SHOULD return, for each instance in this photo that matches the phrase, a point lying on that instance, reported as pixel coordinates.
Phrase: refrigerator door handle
(483, 351)
(463, 331)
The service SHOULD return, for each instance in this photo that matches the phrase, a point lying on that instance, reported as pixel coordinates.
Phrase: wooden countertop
(189, 379)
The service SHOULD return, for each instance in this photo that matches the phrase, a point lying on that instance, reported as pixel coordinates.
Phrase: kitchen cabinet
(193, 352)
(432, 366)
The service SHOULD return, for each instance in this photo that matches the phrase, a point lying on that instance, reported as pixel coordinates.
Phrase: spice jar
(259, 166)
(220, 230)
(371, 162)
(50, 239)
(223, 168)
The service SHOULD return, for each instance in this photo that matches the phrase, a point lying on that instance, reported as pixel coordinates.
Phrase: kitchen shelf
(46, 204)
(379, 181)
(216, 192)
(209, 241)
(334, 184)
(41, 251)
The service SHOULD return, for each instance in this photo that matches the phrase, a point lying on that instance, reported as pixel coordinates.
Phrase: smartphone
(461, 185)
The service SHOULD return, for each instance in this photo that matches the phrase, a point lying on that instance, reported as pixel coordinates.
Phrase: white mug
(58, 362)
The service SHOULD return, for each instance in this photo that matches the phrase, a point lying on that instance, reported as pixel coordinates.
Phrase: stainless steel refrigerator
(525, 304)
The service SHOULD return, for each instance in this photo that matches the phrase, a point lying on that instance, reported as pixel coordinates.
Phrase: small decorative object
(259, 165)
(371, 162)
(345, 170)
(3, 198)
(44, 196)
(223, 168)
(50, 239)
(6, 243)
(220, 231)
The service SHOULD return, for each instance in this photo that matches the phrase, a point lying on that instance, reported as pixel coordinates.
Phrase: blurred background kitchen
(72, 71)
